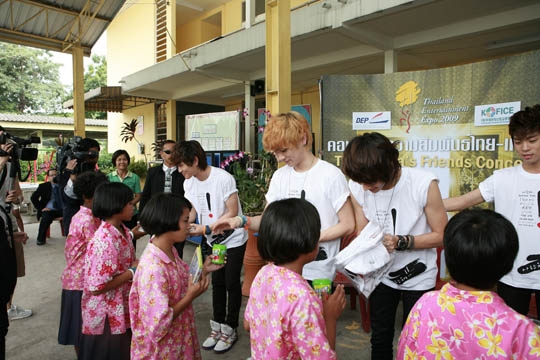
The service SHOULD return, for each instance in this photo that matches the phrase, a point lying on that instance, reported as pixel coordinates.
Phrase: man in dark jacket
(47, 200)
(164, 178)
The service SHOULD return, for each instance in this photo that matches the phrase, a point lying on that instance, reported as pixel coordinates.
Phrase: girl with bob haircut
(406, 203)
(288, 136)
(81, 230)
(109, 269)
(162, 293)
(285, 317)
(467, 319)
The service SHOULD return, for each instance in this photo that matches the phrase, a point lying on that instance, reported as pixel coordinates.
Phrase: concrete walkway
(35, 338)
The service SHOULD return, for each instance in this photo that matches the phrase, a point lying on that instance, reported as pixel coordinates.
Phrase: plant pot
(252, 262)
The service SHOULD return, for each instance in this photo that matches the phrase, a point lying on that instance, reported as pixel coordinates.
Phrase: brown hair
(286, 130)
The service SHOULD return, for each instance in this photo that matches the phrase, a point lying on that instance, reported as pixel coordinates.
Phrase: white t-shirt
(516, 194)
(325, 186)
(208, 197)
(412, 269)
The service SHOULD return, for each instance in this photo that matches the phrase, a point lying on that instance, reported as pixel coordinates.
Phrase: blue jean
(383, 306)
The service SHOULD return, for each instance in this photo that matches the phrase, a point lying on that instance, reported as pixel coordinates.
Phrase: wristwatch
(402, 243)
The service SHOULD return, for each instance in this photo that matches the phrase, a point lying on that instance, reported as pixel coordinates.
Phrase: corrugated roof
(43, 119)
(56, 24)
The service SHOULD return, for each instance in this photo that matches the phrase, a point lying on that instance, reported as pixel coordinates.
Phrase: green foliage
(95, 77)
(252, 174)
(105, 163)
(96, 74)
(29, 81)
(139, 168)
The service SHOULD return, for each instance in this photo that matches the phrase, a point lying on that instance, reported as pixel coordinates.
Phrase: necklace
(377, 212)
(301, 191)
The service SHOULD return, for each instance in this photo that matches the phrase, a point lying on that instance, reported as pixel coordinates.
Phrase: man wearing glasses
(164, 178)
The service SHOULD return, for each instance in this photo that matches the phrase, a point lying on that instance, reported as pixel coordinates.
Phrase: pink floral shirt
(285, 317)
(159, 284)
(109, 254)
(459, 324)
(82, 228)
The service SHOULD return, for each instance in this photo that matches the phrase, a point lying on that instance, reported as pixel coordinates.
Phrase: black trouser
(179, 246)
(383, 304)
(227, 288)
(519, 299)
(4, 324)
(47, 218)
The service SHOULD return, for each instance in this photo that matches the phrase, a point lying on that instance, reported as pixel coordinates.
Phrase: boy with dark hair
(213, 194)
(466, 319)
(516, 194)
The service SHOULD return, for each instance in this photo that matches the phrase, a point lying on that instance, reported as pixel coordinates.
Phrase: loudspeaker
(259, 87)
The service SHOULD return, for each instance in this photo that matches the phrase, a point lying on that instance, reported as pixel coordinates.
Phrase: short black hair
(88, 143)
(85, 184)
(186, 152)
(480, 247)
(289, 228)
(110, 198)
(162, 213)
(370, 158)
(525, 122)
(117, 153)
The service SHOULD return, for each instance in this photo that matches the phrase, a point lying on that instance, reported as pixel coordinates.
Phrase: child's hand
(209, 266)
(20, 236)
(194, 290)
(196, 229)
(333, 305)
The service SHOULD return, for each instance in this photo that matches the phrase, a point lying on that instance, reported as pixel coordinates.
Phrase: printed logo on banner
(371, 120)
(495, 114)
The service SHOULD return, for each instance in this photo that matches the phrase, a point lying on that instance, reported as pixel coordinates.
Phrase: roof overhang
(111, 99)
(56, 25)
(347, 38)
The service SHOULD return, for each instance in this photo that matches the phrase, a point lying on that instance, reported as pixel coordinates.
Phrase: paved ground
(36, 337)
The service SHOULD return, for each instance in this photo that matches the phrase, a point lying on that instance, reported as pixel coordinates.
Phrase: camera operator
(11, 258)
(84, 159)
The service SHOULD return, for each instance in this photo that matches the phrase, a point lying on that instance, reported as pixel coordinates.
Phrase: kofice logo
(495, 114)
(371, 120)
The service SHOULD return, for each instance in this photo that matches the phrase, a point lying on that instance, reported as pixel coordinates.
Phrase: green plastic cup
(322, 286)
(218, 254)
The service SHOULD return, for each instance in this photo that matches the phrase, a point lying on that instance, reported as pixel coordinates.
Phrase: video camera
(72, 150)
(20, 151)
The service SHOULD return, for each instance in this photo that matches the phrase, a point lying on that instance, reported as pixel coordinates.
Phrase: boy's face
(528, 148)
(291, 156)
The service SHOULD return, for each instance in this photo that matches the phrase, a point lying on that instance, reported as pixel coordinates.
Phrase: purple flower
(260, 129)
(249, 170)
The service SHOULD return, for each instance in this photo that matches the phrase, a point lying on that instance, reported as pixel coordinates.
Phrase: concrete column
(78, 91)
(278, 55)
(249, 140)
(390, 61)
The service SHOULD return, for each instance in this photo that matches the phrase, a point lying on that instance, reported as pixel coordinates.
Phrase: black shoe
(40, 242)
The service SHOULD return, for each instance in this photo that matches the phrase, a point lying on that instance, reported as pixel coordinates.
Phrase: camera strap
(4, 175)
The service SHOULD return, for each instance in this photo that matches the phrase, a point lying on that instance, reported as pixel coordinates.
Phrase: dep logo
(495, 114)
(371, 120)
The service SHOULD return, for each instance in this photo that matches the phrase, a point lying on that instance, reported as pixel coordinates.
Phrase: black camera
(72, 150)
(20, 150)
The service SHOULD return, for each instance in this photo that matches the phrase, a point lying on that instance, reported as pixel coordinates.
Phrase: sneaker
(16, 313)
(227, 339)
(212, 340)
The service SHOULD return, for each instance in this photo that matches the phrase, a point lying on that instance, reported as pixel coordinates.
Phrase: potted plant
(252, 174)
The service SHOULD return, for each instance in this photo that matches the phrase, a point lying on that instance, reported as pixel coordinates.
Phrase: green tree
(29, 81)
(96, 76)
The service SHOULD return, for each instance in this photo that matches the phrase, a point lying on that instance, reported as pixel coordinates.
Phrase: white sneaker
(16, 313)
(227, 339)
(212, 340)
